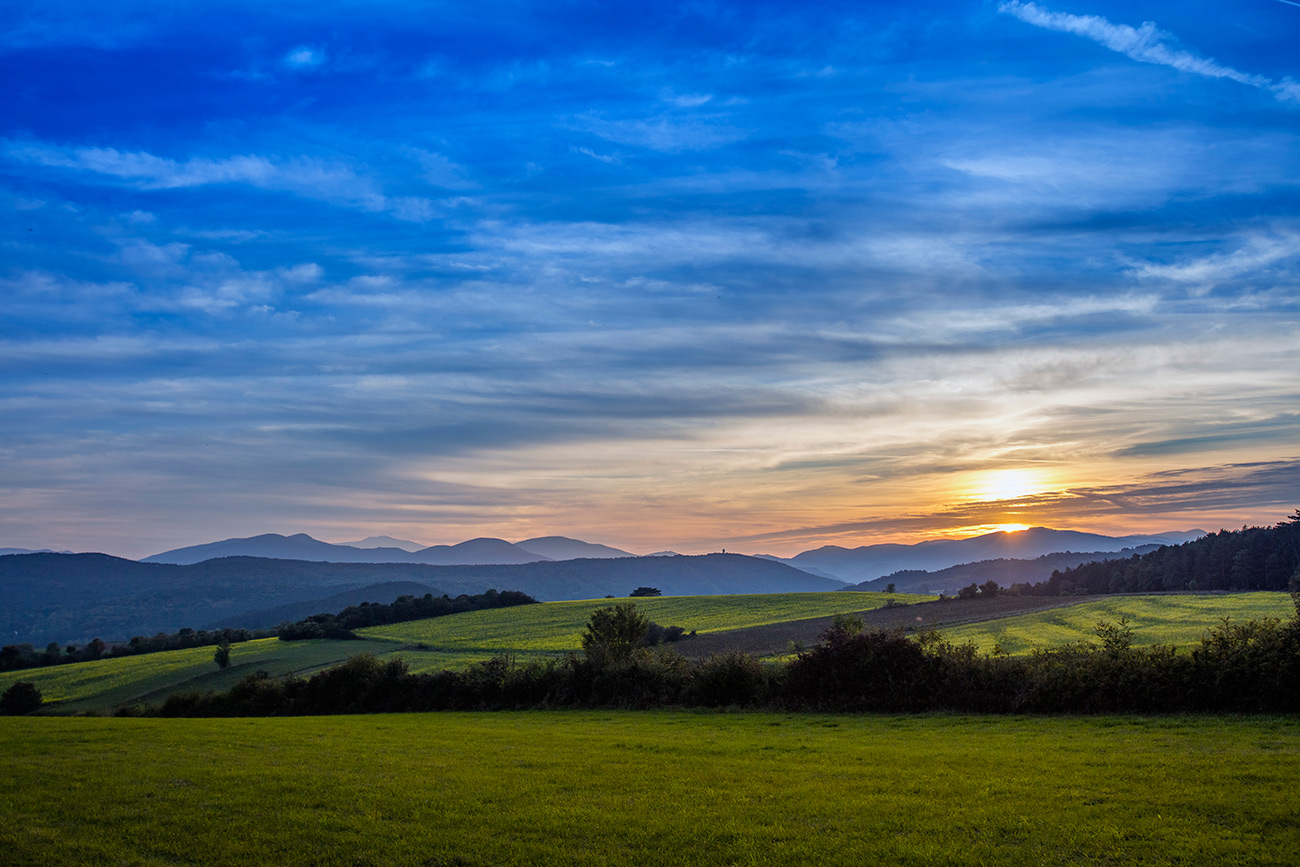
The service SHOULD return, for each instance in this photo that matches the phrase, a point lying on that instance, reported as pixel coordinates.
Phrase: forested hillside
(1252, 558)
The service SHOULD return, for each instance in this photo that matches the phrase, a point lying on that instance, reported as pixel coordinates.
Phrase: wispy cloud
(1147, 44)
(304, 57)
(1257, 255)
(303, 176)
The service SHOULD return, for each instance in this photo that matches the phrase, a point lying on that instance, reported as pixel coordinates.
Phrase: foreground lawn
(557, 626)
(649, 788)
(1173, 619)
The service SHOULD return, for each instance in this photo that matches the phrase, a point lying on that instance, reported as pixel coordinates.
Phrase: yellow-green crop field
(1166, 619)
(637, 788)
(150, 677)
(555, 627)
(445, 643)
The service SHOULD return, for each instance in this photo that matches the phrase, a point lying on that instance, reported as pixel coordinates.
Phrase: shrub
(731, 679)
(20, 699)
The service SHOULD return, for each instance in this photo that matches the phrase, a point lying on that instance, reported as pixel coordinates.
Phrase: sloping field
(557, 626)
(779, 639)
(628, 789)
(150, 677)
(1159, 619)
(446, 643)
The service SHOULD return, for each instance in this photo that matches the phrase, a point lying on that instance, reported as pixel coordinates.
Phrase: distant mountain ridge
(75, 597)
(869, 562)
(300, 546)
(1003, 570)
(384, 542)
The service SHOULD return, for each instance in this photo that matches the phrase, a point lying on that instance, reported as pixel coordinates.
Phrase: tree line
(404, 608)
(1252, 558)
(1247, 667)
(20, 656)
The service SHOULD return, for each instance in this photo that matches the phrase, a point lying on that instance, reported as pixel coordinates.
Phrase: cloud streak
(1146, 44)
(303, 176)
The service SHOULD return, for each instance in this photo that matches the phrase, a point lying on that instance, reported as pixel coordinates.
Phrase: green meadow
(555, 627)
(451, 642)
(150, 677)
(1165, 619)
(628, 788)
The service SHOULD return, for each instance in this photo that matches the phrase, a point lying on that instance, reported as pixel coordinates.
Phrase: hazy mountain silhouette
(385, 542)
(869, 562)
(564, 548)
(300, 546)
(474, 552)
(75, 597)
(1003, 570)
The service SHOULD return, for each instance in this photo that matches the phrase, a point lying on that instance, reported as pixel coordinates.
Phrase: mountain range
(473, 552)
(1005, 571)
(75, 597)
(869, 562)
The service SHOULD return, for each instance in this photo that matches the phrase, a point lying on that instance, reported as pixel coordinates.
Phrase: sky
(760, 276)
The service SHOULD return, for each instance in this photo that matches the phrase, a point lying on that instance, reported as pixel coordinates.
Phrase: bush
(21, 699)
(731, 679)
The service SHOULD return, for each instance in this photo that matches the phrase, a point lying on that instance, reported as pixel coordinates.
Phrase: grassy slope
(107, 683)
(649, 788)
(1177, 620)
(457, 641)
(558, 626)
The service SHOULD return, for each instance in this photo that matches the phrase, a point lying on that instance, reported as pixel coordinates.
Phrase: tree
(889, 588)
(989, 588)
(646, 591)
(21, 698)
(222, 655)
(970, 591)
(614, 632)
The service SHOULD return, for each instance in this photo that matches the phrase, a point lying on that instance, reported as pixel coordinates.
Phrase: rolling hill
(75, 597)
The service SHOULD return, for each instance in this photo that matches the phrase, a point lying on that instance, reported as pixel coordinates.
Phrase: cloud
(1191, 492)
(303, 176)
(1256, 257)
(665, 133)
(304, 57)
(1147, 44)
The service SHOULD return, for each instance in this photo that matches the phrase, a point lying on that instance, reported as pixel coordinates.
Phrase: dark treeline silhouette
(1252, 558)
(1247, 667)
(404, 608)
(19, 656)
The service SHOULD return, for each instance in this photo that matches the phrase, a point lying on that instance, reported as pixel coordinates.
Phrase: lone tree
(21, 698)
(613, 633)
(646, 591)
(222, 655)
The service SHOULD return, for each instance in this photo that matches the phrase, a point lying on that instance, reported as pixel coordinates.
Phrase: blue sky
(755, 275)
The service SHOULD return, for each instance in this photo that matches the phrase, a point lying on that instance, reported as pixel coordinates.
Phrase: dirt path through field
(777, 638)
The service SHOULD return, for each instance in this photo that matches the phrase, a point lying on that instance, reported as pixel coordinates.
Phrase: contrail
(1288, 2)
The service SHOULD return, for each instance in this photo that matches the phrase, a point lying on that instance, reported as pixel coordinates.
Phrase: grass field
(106, 683)
(628, 788)
(1174, 619)
(453, 642)
(557, 626)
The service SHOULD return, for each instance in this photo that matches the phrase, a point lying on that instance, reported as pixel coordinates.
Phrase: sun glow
(989, 485)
